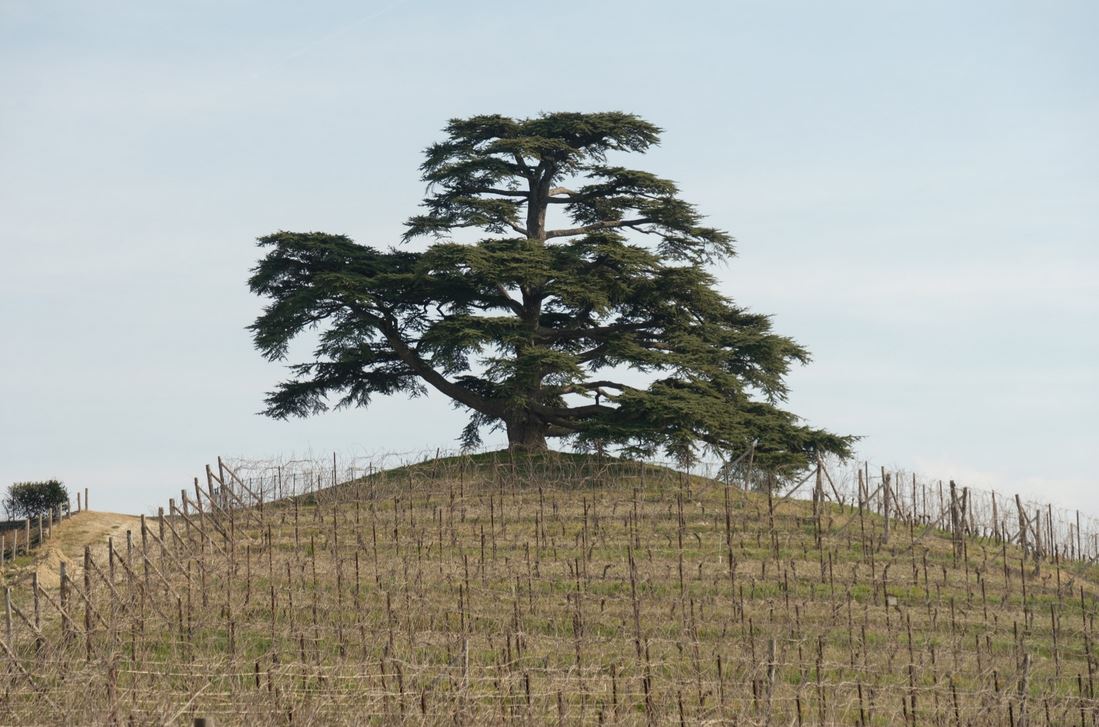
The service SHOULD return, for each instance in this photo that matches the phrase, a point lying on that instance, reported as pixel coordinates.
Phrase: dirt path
(69, 538)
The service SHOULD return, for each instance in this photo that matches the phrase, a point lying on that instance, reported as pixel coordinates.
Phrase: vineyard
(563, 589)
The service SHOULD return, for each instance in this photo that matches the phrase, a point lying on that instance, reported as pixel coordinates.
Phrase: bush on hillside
(31, 499)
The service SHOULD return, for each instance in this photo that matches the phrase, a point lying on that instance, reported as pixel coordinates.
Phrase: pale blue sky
(913, 186)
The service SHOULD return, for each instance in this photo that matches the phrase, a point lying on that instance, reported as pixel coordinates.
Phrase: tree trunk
(526, 434)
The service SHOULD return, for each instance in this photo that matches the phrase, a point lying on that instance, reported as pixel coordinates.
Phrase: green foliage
(31, 499)
(543, 330)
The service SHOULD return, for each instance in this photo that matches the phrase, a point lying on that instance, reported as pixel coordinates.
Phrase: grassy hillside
(553, 590)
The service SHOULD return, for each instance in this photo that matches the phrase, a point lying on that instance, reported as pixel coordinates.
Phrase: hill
(557, 590)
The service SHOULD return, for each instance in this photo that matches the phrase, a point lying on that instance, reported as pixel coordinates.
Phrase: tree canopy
(580, 306)
(31, 499)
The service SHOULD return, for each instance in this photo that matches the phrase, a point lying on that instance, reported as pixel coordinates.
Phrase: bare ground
(69, 538)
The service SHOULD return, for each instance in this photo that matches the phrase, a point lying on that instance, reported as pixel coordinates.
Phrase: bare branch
(506, 192)
(604, 225)
(604, 384)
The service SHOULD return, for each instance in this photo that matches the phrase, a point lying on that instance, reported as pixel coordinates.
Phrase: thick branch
(596, 386)
(566, 416)
(433, 377)
(592, 354)
(602, 385)
(522, 164)
(604, 225)
(506, 192)
(550, 334)
(515, 306)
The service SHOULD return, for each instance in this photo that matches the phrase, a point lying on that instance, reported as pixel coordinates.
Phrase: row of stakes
(38, 529)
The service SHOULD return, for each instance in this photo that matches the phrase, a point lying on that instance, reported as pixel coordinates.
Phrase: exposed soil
(69, 538)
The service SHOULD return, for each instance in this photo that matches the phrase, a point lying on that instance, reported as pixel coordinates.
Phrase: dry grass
(557, 591)
(86, 528)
